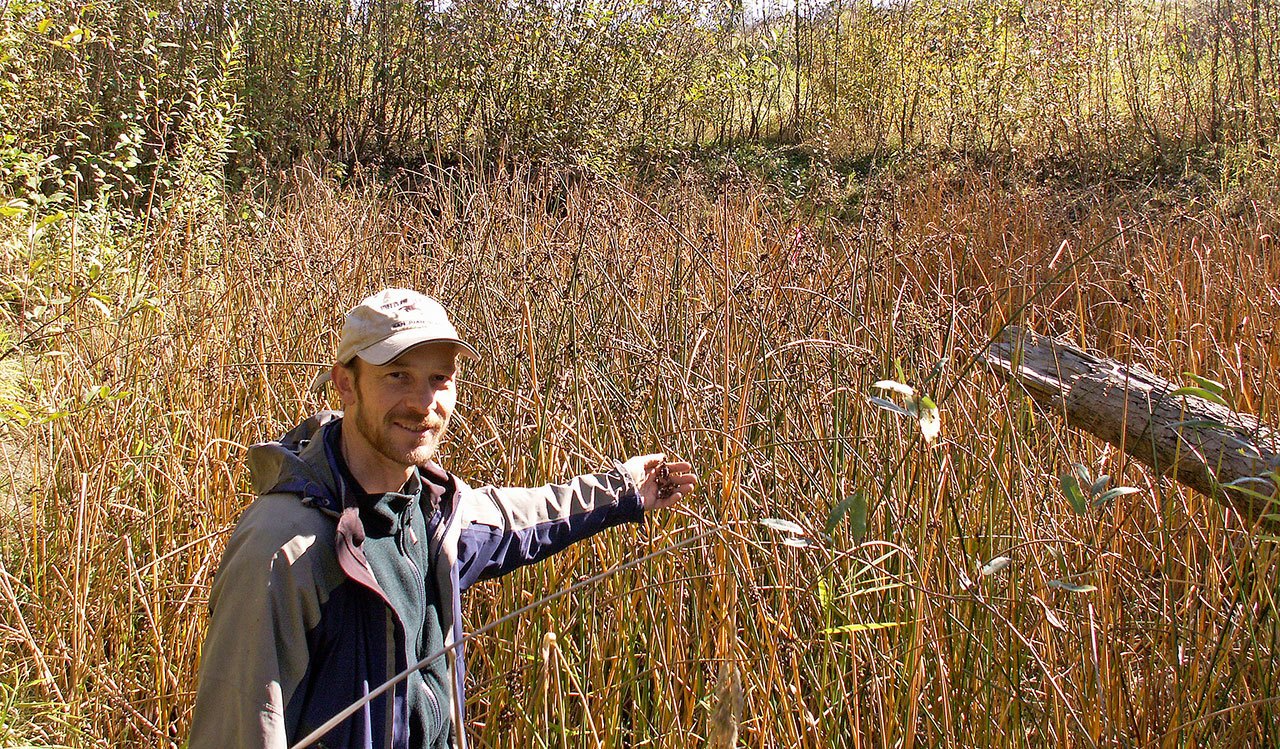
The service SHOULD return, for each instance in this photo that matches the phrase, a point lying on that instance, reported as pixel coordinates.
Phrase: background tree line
(104, 89)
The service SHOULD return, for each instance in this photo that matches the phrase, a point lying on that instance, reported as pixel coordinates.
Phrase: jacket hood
(298, 463)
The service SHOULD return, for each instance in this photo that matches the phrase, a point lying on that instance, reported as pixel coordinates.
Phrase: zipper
(407, 529)
(441, 722)
(442, 522)
(451, 604)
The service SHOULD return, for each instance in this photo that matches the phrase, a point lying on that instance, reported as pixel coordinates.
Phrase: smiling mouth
(426, 429)
(420, 430)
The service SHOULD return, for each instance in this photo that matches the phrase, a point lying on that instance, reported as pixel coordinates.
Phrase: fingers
(684, 480)
(680, 468)
(681, 474)
(653, 460)
(661, 483)
(672, 482)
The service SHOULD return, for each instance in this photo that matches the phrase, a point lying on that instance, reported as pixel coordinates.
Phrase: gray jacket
(300, 629)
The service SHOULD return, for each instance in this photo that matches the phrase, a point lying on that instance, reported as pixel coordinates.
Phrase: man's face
(400, 409)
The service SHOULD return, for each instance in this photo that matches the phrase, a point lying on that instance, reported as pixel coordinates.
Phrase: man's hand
(661, 483)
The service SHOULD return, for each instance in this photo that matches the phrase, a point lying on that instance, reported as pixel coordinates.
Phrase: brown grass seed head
(666, 487)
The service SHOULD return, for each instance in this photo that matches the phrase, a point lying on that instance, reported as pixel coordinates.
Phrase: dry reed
(724, 327)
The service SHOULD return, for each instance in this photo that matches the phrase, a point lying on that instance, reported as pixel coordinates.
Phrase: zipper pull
(413, 536)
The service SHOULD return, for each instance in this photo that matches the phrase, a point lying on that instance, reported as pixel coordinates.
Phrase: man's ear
(344, 382)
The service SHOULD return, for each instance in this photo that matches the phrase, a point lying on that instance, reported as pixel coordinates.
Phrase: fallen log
(1221, 453)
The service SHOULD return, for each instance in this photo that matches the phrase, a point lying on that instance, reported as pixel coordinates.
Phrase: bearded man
(347, 568)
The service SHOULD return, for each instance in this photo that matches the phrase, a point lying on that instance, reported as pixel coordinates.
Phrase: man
(347, 568)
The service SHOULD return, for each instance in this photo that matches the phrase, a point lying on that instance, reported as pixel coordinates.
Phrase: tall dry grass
(719, 324)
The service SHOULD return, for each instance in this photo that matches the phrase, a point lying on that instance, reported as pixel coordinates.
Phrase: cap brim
(389, 348)
(385, 351)
(319, 382)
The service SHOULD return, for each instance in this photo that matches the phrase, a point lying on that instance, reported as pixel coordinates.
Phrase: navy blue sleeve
(486, 551)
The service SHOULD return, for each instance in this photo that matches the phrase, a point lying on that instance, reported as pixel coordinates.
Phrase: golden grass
(724, 327)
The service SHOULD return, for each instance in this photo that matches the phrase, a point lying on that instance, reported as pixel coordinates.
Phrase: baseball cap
(390, 322)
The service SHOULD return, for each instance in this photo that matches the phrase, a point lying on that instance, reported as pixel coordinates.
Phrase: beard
(379, 436)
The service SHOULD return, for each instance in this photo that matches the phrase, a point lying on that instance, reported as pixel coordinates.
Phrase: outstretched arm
(508, 528)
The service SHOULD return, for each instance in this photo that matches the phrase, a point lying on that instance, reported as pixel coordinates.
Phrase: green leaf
(888, 405)
(837, 513)
(858, 516)
(1111, 494)
(850, 628)
(52, 218)
(14, 207)
(783, 526)
(1050, 615)
(929, 418)
(995, 565)
(1072, 587)
(1208, 395)
(824, 595)
(857, 505)
(1212, 386)
(100, 305)
(894, 386)
(1100, 484)
(876, 589)
(1071, 488)
(1264, 479)
(1239, 486)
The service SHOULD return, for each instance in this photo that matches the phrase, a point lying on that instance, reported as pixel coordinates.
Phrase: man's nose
(423, 399)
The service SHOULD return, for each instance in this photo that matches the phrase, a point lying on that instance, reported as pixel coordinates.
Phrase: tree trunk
(1202, 444)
